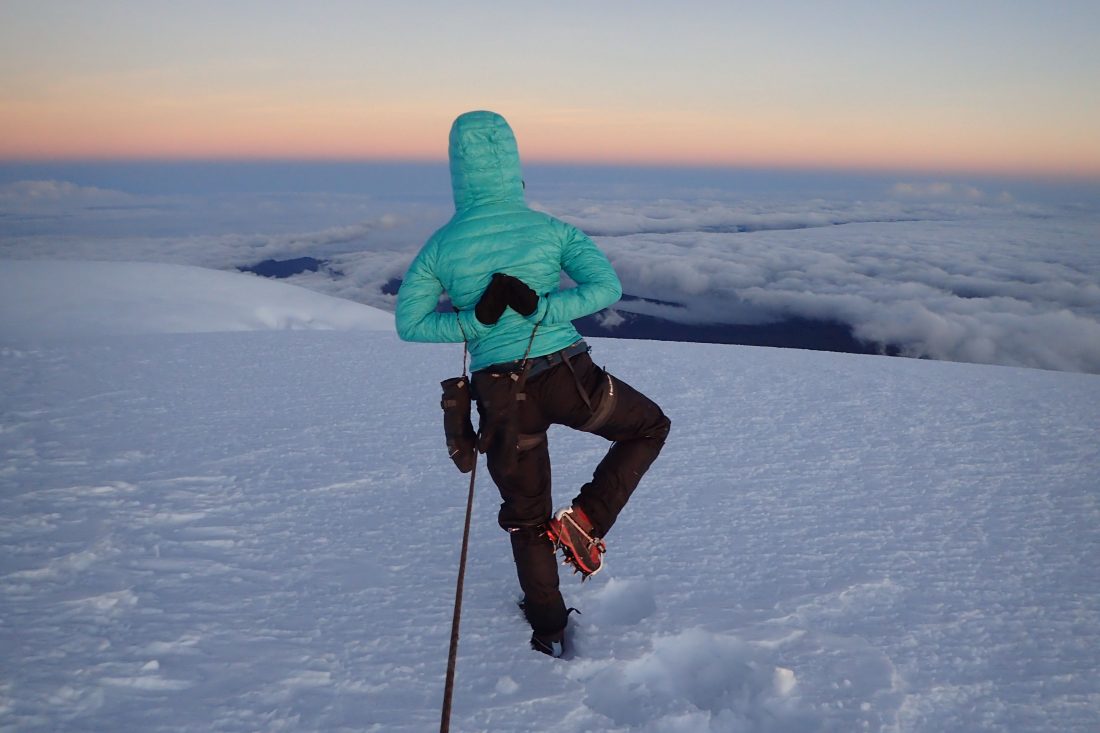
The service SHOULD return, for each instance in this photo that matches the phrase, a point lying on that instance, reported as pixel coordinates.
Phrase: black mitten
(522, 298)
(493, 301)
(457, 427)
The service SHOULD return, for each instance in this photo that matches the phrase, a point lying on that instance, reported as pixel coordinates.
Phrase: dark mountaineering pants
(613, 410)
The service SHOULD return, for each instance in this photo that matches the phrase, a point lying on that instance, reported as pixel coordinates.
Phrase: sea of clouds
(981, 271)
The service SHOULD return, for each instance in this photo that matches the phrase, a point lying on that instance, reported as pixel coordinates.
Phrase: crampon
(571, 532)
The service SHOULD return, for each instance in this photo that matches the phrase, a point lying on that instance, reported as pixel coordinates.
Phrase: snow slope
(42, 299)
(260, 532)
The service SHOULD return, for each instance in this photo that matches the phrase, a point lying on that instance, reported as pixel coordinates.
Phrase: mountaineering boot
(552, 645)
(555, 644)
(571, 531)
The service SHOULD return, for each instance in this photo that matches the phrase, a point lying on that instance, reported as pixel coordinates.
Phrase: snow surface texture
(260, 531)
(66, 299)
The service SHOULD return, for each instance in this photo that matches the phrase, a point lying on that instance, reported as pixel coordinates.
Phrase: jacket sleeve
(416, 317)
(597, 284)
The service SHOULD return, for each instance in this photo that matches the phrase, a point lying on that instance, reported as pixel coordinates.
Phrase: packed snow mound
(61, 299)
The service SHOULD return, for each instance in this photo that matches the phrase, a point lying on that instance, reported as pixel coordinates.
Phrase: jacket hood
(484, 161)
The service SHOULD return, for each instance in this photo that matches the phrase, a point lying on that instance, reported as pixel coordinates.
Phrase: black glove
(523, 299)
(494, 300)
(503, 291)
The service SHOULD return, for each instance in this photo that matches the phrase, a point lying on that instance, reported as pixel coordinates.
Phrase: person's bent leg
(638, 429)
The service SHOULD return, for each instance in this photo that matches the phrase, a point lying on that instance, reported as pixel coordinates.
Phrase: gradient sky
(1001, 86)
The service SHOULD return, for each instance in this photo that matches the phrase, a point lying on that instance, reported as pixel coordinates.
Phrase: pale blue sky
(986, 85)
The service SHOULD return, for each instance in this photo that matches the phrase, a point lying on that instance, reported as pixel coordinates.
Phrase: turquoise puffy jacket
(491, 231)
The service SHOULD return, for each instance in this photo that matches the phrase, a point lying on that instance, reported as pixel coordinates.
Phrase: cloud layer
(939, 270)
(944, 270)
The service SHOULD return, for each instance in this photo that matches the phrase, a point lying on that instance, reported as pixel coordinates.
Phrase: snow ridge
(40, 299)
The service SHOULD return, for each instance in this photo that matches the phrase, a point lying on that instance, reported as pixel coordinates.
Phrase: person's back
(492, 231)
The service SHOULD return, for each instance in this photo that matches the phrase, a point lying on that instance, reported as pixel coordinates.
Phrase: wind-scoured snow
(260, 532)
(46, 299)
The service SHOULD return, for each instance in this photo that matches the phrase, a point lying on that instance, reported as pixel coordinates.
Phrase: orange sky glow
(942, 87)
(334, 134)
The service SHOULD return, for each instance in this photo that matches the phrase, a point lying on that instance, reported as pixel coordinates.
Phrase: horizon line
(785, 167)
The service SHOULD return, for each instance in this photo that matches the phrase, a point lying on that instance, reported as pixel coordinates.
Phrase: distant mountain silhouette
(790, 333)
(280, 269)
